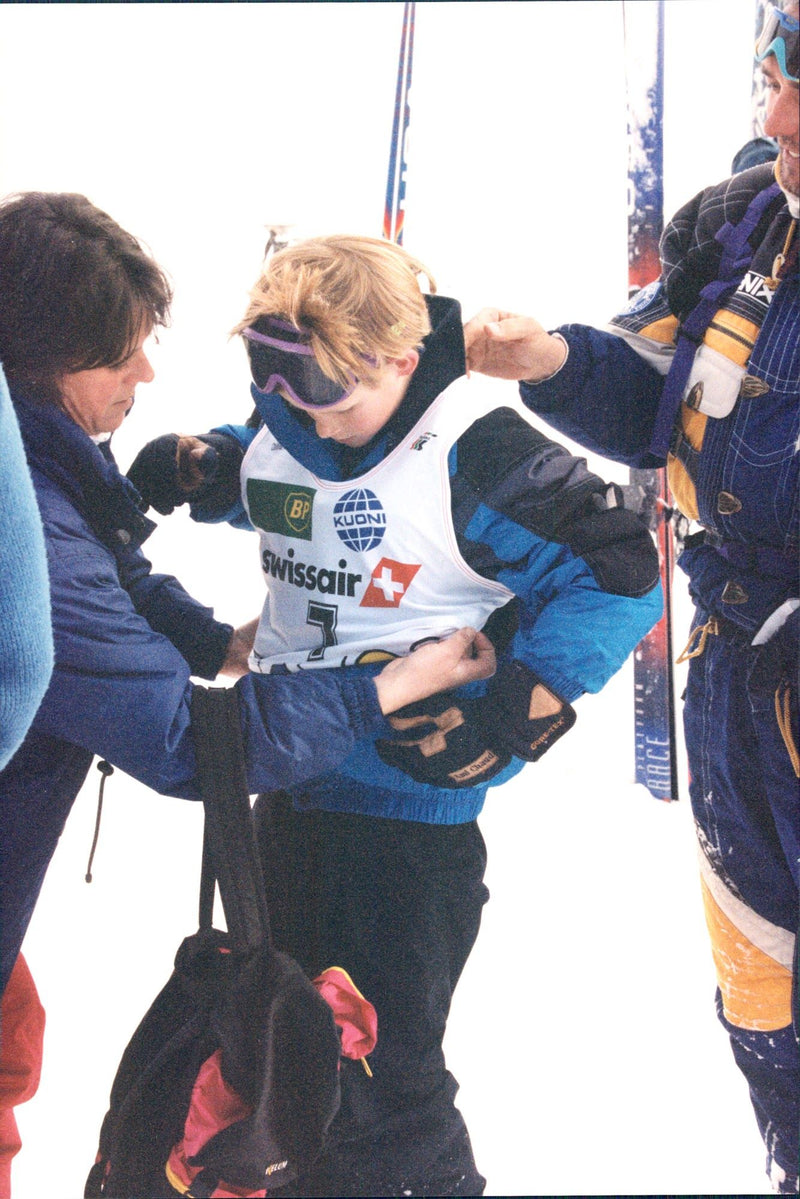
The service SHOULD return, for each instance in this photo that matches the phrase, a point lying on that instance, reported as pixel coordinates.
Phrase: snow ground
(583, 1031)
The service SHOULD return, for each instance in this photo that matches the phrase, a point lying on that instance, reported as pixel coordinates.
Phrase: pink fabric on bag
(214, 1106)
(355, 1016)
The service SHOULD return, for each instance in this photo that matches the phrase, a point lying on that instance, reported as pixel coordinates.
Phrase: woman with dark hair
(79, 299)
(78, 291)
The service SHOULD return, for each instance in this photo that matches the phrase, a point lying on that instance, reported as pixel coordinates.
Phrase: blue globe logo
(359, 519)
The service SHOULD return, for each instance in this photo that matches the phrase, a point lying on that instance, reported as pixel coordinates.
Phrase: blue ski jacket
(527, 514)
(127, 641)
(744, 498)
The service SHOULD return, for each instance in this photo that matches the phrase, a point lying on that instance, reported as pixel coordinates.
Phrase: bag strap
(208, 884)
(229, 847)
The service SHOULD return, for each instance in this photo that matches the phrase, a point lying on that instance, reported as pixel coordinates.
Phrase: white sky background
(583, 1031)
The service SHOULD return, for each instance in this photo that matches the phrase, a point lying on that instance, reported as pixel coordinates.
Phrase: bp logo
(280, 507)
(359, 519)
(297, 511)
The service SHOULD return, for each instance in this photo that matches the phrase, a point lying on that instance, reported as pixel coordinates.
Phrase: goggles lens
(780, 36)
(280, 357)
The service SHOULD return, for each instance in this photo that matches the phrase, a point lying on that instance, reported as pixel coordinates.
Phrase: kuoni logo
(359, 519)
(389, 583)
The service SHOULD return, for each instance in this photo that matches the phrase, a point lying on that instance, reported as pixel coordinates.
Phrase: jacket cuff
(559, 368)
(207, 649)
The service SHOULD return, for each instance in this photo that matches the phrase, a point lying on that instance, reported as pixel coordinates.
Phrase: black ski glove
(157, 476)
(154, 474)
(452, 741)
(523, 715)
(445, 743)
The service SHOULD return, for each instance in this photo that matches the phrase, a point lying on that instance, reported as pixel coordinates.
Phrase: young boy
(396, 500)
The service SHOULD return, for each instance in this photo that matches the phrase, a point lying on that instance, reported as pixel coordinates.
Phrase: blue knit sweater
(26, 646)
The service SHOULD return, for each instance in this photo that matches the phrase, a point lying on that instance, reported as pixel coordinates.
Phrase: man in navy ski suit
(392, 496)
(702, 371)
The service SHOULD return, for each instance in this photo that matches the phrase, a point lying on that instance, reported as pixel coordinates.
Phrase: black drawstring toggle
(105, 769)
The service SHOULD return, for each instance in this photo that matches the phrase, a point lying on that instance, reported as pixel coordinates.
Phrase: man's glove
(445, 742)
(171, 470)
(524, 716)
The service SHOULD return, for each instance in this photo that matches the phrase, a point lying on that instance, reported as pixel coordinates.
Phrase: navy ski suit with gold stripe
(740, 713)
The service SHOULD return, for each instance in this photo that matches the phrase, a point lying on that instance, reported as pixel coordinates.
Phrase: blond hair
(358, 298)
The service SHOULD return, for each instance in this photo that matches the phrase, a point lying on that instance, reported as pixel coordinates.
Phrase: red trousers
(21, 1037)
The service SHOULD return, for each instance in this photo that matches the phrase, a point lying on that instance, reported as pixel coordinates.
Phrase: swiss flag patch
(389, 582)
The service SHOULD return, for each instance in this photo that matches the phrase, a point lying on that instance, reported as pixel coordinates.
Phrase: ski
(394, 210)
(654, 699)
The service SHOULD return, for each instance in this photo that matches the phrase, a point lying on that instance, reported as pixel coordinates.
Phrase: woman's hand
(239, 647)
(436, 666)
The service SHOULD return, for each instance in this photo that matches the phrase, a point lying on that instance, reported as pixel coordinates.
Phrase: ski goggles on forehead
(281, 359)
(780, 36)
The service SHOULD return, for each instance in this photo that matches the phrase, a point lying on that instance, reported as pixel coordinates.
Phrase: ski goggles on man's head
(780, 36)
(281, 359)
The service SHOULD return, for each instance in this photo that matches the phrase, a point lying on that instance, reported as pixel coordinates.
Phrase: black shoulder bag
(231, 1080)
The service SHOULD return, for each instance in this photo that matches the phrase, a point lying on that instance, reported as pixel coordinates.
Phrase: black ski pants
(397, 905)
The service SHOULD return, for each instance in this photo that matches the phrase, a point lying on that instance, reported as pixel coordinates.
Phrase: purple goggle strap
(304, 350)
